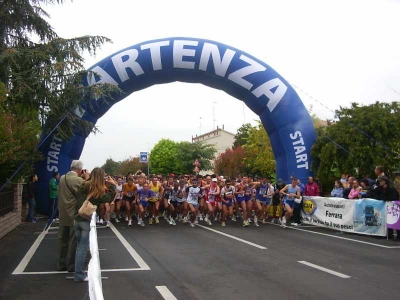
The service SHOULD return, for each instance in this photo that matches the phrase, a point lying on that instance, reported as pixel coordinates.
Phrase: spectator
(277, 200)
(387, 193)
(355, 190)
(53, 196)
(93, 189)
(31, 198)
(68, 191)
(344, 179)
(337, 189)
(298, 206)
(348, 187)
(396, 181)
(311, 188)
(367, 190)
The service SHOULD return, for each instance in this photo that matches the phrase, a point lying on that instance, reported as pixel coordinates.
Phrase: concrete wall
(13, 219)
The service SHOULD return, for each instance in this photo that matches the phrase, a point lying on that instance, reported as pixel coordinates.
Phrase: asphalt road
(269, 262)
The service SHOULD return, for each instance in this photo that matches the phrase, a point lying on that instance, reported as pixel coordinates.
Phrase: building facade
(219, 138)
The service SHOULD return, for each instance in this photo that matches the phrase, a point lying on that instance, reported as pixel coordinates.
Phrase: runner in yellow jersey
(154, 202)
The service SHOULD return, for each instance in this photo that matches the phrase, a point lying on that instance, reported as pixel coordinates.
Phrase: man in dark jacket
(31, 198)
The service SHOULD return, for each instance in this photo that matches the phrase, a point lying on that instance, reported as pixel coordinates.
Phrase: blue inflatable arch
(213, 64)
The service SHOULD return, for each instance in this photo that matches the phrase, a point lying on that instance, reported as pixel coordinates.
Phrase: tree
(187, 153)
(131, 164)
(43, 78)
(111, 167)
(242, 135)
(163, 157)
(363, 137)
(231, 162)
(259, 156)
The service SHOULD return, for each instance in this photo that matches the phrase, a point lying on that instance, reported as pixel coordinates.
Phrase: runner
(264, 192)
(175, 194)
(168, 187)
(154, 201)
(193, 193)
(248, 196)
(128, 196)
(180, 209)
(144, 194)
(227, 194)
(290, 192)
(240, 200)
(211, 193)
(277, 201)
(116, 203)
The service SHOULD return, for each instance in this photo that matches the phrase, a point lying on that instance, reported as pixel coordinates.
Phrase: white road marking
(65, 272)
(233, 237)
(165, 292)
(130, 249)
(338, 237)
(28, 256)
(341, 275)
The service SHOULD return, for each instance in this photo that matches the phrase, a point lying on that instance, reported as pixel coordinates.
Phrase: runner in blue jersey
(264, 192)
(175, 194)
(291, 191)
(143, 201)
(227, 194)
(240, 200)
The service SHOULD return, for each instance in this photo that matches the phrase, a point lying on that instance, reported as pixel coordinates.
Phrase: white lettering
(273, 98)
(220, 65)
(155, 53)
(180, 51)
(237, 76)
(104, 77)
(55, 146)
(52, 156)
(299, 150)
(125, 60)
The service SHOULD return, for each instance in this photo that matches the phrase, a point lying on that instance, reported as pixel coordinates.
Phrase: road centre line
(341, 275)
(339, 237)
(165, 292)
(130, 249)
(233, 237)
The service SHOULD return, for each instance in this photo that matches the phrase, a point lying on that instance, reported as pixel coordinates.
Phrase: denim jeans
(31, 211)
(82, 230)
(53, 208)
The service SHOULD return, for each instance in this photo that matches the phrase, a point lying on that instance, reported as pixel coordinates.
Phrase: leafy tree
(111, 166)
(231, 162)
(364, 136)
(131, 164)
(187, 153)
(259, 156)
(163, 157)
(242, 135)
(42, 77)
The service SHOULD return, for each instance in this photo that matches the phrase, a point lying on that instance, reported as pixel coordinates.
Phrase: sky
(332, 52)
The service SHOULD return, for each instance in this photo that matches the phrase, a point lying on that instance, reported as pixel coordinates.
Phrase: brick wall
(11, 220)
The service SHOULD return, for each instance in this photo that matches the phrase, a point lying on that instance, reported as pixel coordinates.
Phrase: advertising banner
(393, 215)
(370, 217)
(364, 216)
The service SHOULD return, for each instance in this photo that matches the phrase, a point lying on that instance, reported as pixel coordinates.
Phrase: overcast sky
(338, 52)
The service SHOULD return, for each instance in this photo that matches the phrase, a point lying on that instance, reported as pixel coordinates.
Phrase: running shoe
(108, 224)
(206, 219)
(126, 218)
(101, 222)
(185, 219)
(130, 223)
(209, 223)
(196, 221)
(215, 219)
(255, 219)
(150, 221)
(223, 224)
(116, 220)
(245, 223)
(264, 221)
(201, 217)
(113, 215)
(139, 221)
(192, 224)
(157, 220)
(142, 223)
(173, 223)
(283, 222)
(233, 218)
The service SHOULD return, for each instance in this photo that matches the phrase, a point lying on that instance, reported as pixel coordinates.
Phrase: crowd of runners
(193, 198)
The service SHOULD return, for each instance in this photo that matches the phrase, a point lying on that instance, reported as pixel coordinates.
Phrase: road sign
(143, 157)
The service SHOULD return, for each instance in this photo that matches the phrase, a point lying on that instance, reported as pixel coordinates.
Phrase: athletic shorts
(116, 200)
(151, 203)
(194, 204)
(265, 201)
(240, 199)
(290, 203)
(247, 198)
(174, 203)
(144, 203)
(129, 199)
(211, 202)
(229, 204)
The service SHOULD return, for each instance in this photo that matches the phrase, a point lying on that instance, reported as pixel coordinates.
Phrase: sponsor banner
(364, 216)
(393, 215)
(370, 217)
(334, 213)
